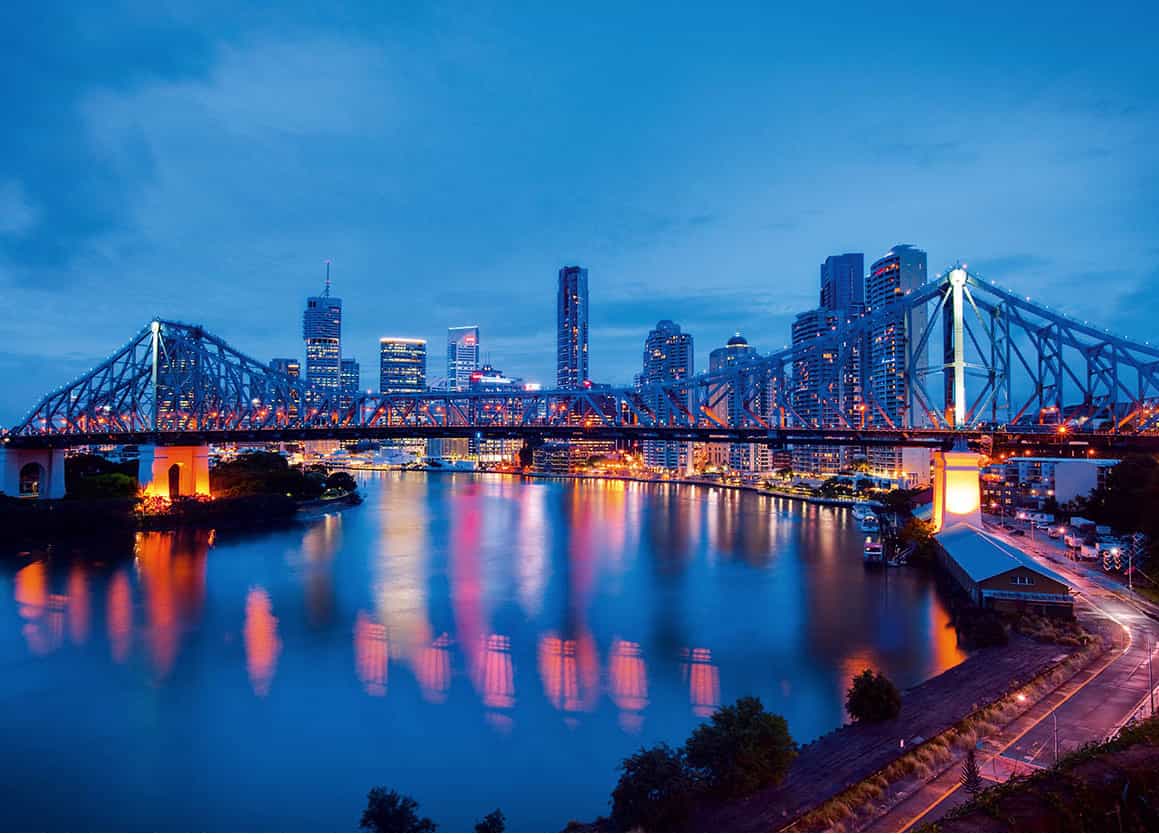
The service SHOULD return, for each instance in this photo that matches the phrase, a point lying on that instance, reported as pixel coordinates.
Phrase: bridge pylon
(957, 487)
(32, 473)
(174, 471)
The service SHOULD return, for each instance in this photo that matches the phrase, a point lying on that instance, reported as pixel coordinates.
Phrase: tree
(741, 749)
(899, 501)
(971, 774)
(493, 823)
(655, 791)
(391, 811)
(920, 534)
(343, 481)
(872, 697)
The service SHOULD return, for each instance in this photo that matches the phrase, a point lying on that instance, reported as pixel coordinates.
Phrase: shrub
(391, 811)
(741, 749)
(107, 485)
(341, 480)
(872, 697)
(655, 791)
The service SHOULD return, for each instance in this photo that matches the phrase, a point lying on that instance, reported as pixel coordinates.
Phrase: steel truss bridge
(959, 356)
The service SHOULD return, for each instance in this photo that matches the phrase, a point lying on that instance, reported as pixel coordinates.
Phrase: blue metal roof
(983, 555)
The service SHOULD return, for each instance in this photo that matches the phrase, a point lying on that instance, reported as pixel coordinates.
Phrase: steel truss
(1021, 366)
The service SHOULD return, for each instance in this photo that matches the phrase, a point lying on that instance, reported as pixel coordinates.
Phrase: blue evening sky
(199, 162)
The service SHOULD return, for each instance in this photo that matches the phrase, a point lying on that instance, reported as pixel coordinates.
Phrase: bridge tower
(174, 471)
(957, 487)
(32, 473)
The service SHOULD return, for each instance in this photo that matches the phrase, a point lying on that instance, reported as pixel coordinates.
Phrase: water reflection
(445, 609)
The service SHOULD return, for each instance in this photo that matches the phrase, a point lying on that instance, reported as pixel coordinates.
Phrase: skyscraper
(322, 331)
(843, 282)
(826, 379)
(462, 356)
(752, 457)
(668, 357)
(293, 369)
(900, 270)
(402, 365)
(351, 376)
(572, 328)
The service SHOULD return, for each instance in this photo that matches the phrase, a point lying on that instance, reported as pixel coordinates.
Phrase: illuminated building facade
(668, 357)
(351, 380)
(402, 365)
(752, 457)
(322, 331)
(462, 356)
(293, 369)
(572, 328)
(816, 391)
(901, 270)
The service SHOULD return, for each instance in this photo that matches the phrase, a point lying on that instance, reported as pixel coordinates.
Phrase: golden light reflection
(371, 649)
(703, 681)
(119, 616)
(78, 604)
(570, 670)
(628, 679)
(262, 645)
(432, 669)
(42, 611)
(172, 571)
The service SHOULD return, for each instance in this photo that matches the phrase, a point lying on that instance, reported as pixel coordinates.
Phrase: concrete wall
(51, 462)
(193, 463)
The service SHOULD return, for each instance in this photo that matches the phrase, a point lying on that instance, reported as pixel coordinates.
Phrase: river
(471, 640)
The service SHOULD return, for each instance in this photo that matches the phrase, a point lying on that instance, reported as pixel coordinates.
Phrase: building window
(1022, 580)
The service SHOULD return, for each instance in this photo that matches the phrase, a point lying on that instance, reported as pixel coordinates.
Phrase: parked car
(1018, 532)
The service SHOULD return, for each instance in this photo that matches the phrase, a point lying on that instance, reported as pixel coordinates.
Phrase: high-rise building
(351, 376)
(843, 283)
(899, 271)
(572, 328)
(827, 379)
(751, 457)
(668, 357)
(462, 356)
(293, 369)
(322, 331)
(402, 365)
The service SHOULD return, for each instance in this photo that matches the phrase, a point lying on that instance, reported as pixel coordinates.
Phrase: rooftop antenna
(326, 292)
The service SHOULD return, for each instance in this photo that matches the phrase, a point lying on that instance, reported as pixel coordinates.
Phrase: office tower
(815, 393)
(752, 457)
(289, 367)
(462, 356)
(351, 376)
(402, 365)
(901, 270)
(843, 283)
(826, 388)
(572, 328)
(668, 357)
(293, 369)
(322, 331)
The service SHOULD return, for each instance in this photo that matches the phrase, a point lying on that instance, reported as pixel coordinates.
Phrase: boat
(861, 509)
(873, 554)
(446, 465)
(870, 524)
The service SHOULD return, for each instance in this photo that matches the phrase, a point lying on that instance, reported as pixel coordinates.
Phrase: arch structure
(32, 473)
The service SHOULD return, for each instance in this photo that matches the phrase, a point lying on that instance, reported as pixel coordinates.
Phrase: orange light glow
(703, 681)
(370, 654)
(262, 645)
(120, 617)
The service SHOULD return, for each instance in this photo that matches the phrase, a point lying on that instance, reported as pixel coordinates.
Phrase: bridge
(1009, 369)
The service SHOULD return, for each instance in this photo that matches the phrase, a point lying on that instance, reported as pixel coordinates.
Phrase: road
(1089, 707)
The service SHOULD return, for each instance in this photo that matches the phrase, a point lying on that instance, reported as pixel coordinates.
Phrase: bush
(493, 823)
(873, 697)
(264, 473)
(655, 791)
(107, 485)
(742, 749)
(391, 811)
(343, 481)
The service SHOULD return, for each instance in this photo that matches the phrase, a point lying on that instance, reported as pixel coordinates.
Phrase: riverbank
(959, 701)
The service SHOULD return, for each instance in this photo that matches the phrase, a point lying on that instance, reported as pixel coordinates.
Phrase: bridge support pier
(174, 471)
(32, 473)
(957, 488)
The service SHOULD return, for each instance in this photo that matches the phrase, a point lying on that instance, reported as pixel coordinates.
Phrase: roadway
(1089, 707)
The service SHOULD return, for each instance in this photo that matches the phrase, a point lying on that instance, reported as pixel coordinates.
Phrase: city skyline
(180, 188)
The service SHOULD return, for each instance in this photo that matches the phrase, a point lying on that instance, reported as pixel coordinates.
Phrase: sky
(199, 162)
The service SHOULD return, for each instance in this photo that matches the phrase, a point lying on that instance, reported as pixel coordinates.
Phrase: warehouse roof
(983, 555)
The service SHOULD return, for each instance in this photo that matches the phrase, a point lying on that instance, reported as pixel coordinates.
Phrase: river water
(471, 640)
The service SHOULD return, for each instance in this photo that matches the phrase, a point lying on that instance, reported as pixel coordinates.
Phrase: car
(1018, 532)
